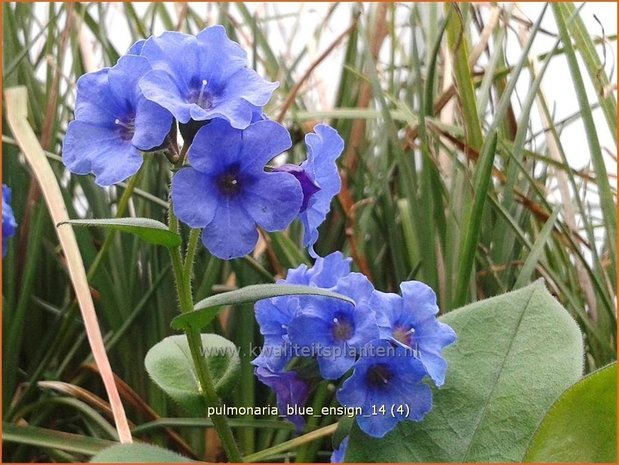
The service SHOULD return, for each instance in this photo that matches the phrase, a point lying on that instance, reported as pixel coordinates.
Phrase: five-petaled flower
(386, 384)
(9, 225)
(113, 123)
(203, 77)
(334, 330)
(226, 190)
(274, 315)
(411, 321)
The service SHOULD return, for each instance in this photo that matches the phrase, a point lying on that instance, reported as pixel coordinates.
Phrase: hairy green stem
(190, 255)
(182, 276)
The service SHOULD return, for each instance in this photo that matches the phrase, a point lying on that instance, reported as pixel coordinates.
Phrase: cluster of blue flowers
(9, 225)
(202, 86)
(385, 346)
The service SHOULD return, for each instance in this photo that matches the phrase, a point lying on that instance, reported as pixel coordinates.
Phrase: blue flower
(274, 315)
(8, 219)
(226, 190)
(319, 178)
(334, 330)
(289, 390)
(386, 384)
(203, 77)
(338, 454)
(411, 321)
(113, 123)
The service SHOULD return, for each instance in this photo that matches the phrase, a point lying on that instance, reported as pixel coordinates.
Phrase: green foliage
(137, 453)
(152, 231)
(207, 309)
(581, 426)
(169, 363)
(513, 357)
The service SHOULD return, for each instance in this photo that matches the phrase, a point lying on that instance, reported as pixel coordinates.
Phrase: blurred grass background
(456, 172)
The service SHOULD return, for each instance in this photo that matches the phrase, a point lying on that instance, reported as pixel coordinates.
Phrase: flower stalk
(182, 275)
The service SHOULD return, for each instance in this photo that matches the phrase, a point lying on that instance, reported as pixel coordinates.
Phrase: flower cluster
(201, 87)
(385, 346)
(8, 219)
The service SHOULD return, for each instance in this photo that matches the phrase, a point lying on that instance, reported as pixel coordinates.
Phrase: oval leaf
(515, 354)
(581, 426)
(207, 309)
(138, 453)
(152, 231)
(171, 367)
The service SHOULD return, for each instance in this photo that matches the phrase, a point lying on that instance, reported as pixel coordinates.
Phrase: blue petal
(376, 425)
(216, 41)
(273, 200)
(95, 102)
(310, 330)
(152, 122)
(338, 454)
(159, 87)
(9, 224)
(246, 84)
(262, 141)
(388, 307)
(174, 53)
(325, 273)
(336, 364)
(419, 299)
(123, 78)
(324, 147)
(289, 389)
(215, 147)
(193, 199)
(232, 233)
(274, 315)
(136, 48)
(432, 339)
(152, 125)
(90, 148)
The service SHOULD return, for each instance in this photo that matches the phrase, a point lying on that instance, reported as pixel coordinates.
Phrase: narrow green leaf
(586, 47)
(457, 39)
(537, 249)
(608, 206)
(515, 354)
(47, 438)
(152, 231)
(138, 453)
(207, 309)
(472, 224)
(581, 426)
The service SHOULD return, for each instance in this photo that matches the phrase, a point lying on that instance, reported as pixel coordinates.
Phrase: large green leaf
(152, 231)
(515, 354)
(138, 453)
(582, 425)
(170, 365)
(207, 309)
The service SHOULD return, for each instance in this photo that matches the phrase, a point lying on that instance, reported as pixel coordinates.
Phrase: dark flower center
(308, 186)
(126, 129)
(228, 182)
(342, 328)
(404, 335)
(379, 375)
(200, 95)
